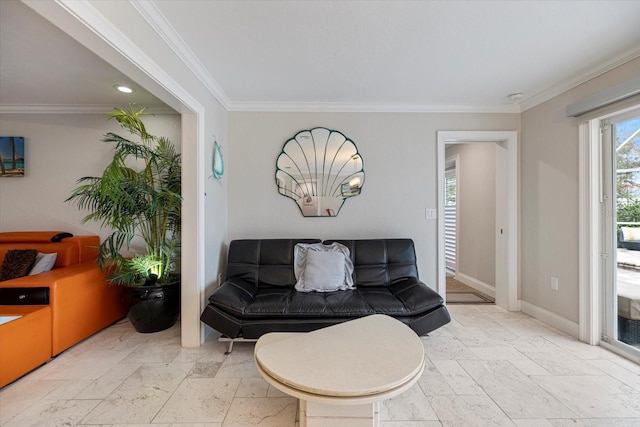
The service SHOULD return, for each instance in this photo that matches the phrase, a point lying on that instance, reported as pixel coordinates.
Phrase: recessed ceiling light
(124, 89)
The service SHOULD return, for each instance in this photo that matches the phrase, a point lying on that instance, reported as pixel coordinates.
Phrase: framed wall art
(11, 156)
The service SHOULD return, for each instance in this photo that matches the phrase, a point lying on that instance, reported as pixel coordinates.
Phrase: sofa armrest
(416, 296)
(81, 300)
(234, 295)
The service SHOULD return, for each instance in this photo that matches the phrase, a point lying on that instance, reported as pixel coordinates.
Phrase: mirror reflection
(319, 169)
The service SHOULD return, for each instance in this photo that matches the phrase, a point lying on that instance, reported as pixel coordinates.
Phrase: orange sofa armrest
(81, 301)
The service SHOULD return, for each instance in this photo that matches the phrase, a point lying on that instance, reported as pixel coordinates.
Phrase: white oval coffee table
(341, 373)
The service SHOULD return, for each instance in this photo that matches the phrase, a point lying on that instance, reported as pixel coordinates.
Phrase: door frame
(590, 170)
(509, 139)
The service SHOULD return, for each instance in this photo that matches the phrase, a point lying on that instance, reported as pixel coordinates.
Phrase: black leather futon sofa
(258, 294)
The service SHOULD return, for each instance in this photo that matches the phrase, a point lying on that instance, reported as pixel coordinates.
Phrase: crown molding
(74, 109)
(264, 107)
(154, 17)
(315, 107)
(569, 84)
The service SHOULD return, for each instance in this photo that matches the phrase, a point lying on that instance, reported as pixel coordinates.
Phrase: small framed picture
(11, 156)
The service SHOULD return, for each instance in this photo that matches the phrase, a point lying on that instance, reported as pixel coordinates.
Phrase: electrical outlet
(430, 214)
(554, 283)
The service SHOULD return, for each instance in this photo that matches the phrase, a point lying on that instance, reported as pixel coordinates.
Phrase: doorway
(620, 231)
(506, 230)
(470, 219)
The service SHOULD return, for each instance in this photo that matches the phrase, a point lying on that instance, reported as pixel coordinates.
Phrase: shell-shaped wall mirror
(319, 169)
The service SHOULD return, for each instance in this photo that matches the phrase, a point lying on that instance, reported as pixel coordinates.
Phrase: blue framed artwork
(11, 156)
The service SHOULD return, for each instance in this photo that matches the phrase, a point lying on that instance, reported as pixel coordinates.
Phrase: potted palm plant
(139, 197)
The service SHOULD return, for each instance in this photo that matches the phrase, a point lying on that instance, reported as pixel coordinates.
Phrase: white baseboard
(476, 284)
(565, 325)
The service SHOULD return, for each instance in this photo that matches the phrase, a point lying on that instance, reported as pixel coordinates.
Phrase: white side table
(343, 372)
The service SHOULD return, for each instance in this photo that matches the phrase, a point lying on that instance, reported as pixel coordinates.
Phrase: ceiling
(44, 69)
(339, 55)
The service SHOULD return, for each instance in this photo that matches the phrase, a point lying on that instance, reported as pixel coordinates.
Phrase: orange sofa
(79, 299)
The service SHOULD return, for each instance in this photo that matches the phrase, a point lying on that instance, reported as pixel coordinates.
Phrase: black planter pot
(152, 308)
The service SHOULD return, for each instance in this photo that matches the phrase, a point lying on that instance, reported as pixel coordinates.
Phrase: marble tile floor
(488, 367)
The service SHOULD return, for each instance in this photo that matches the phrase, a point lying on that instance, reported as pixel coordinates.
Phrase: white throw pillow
(44, 262)
(322, 268)
(630, 234)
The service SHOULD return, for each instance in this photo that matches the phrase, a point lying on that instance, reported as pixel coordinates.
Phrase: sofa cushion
(406, 298)
(322, 268)
(266, 262)
(630, 234)
(68, 253)
(17, 263)
(71, 250)
(381, 262)
(44, 262)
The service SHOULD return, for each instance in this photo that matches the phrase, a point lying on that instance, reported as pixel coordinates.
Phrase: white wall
(60, 149)
(399, 154)
(215, 193)
(549, 176)
(476, 198)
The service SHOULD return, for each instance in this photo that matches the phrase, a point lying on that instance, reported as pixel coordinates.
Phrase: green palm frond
(131, 120)
(138, 195)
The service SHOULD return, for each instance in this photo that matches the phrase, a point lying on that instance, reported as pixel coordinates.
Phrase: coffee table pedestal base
(314, 414)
